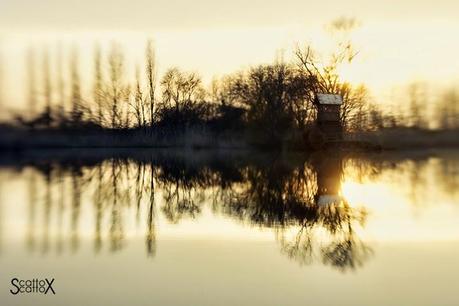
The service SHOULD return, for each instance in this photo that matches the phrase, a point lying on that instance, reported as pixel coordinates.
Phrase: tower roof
(329, 99)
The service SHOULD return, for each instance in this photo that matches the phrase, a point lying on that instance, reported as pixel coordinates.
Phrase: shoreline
(19, 139)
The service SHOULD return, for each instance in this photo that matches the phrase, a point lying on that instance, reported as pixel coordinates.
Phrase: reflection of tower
(345, 251)
(329, 174)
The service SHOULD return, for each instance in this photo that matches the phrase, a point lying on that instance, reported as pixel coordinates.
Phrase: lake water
(231, 228)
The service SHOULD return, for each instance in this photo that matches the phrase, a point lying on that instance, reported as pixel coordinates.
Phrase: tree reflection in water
(298, 197)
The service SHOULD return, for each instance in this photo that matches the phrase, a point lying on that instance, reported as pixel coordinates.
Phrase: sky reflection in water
(308, 224)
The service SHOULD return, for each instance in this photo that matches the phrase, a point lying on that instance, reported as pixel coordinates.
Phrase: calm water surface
(197, 228)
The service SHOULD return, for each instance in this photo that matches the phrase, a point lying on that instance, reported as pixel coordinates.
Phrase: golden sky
(183, 14)
(399, 41)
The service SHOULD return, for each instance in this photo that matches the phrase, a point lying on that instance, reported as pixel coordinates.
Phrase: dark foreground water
(231, 228)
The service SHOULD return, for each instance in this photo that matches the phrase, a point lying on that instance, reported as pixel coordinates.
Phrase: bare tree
(138, 103)
(117, 89)
(2, 77)
(277, 97)
(181, 91)
(327, 77)
(60, 81)
(47, 87)
(327, 74)
(447, 111)
(98, 83)
(75, 95)
(417, 104)
(31, 81)
(151, 78)
(355, 105)
(220, 90)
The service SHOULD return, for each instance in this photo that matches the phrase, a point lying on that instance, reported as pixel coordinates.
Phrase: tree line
(273, 98)
(270, 101)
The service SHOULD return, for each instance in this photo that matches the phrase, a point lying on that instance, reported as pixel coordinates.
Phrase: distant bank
(16, 138)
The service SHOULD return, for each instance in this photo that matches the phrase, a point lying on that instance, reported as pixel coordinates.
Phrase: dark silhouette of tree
(220, 90)
(118, 90)
(60, 84)
(138, 103)
(277, 97)
(150, 70)
(417, 104)
(75, 94)
(98, 91)
(447, 110)
(2, 78)
(31, 81)
(355, 106)
(47, 88)
(182, 98)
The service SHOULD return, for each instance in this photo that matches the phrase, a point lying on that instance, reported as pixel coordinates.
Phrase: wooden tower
(328, 116)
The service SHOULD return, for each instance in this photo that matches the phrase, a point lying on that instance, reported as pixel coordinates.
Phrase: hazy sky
(399, 41)
(182, 14)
